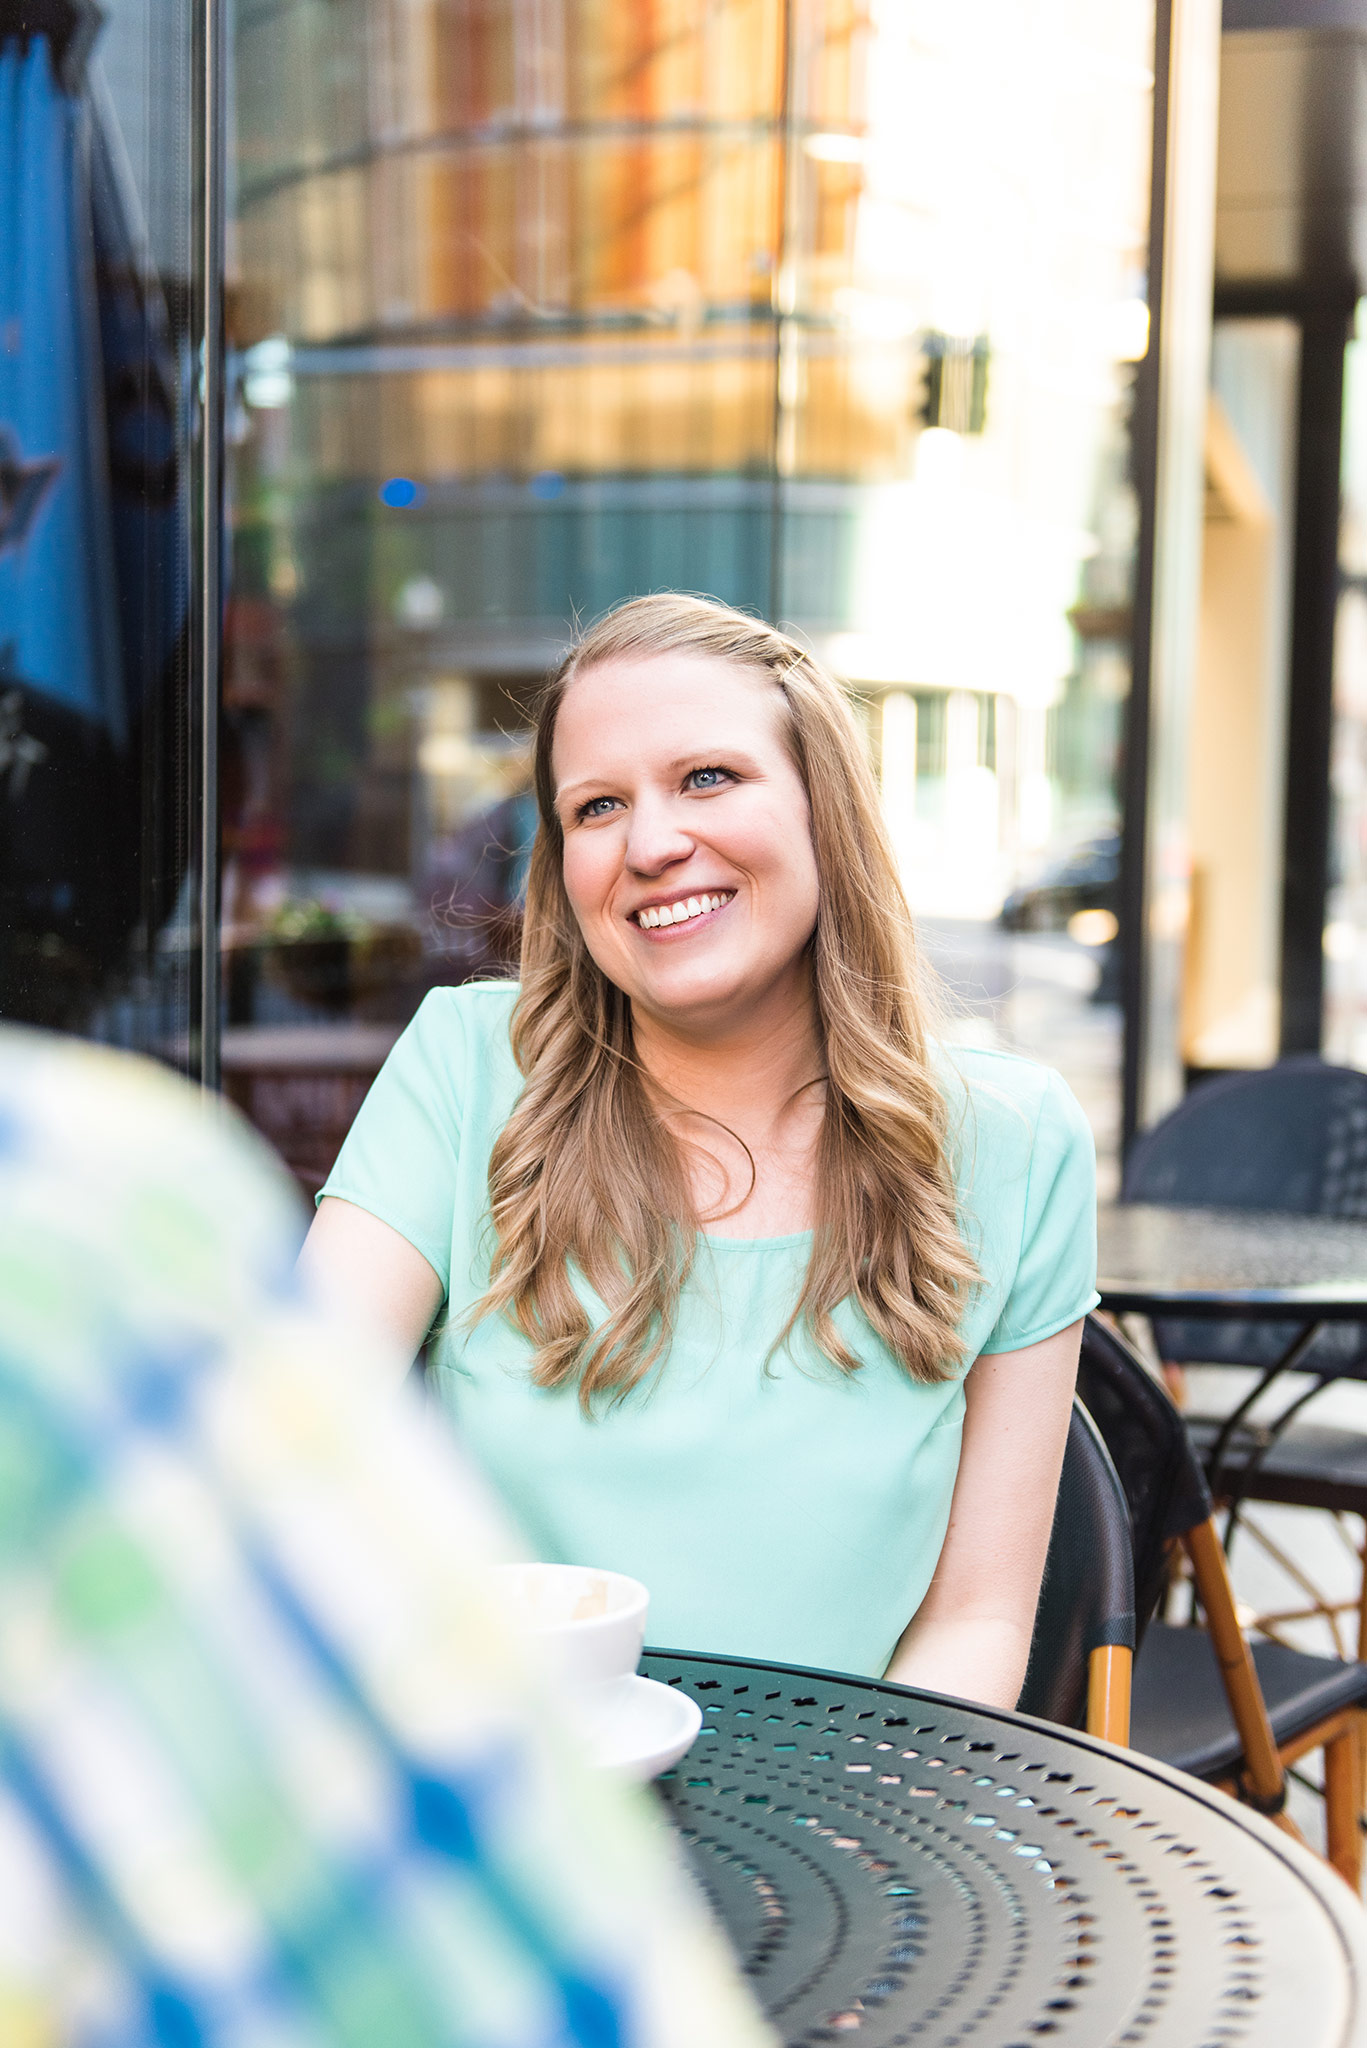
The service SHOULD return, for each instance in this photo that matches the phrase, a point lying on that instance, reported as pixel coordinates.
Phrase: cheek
(806, 894)
(802, 877)
(588, 869)
(781, 849)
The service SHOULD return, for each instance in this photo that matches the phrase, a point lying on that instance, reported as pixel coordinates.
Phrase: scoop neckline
(757, 1244)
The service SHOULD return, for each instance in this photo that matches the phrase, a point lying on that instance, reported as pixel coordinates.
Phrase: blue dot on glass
(548, 483)
(401, 491)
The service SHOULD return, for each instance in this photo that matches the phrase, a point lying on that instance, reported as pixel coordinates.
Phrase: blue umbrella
(58, 600)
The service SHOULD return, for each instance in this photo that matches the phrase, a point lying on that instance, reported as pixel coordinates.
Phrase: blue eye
(591, 810)
(708, 778)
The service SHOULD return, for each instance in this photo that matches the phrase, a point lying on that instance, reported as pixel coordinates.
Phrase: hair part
(587, 1180)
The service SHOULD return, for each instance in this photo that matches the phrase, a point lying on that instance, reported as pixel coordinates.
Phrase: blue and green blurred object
(271, 1773)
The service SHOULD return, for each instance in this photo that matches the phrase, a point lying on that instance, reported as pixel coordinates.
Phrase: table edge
(1260, 1306)
(1346, 1913)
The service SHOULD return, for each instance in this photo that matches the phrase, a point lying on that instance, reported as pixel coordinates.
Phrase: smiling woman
(751, 1289)
(704, 815)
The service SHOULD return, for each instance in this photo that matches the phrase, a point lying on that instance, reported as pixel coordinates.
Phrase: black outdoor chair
(1083, 1645)
(1203, 1699)
(1290, 1137)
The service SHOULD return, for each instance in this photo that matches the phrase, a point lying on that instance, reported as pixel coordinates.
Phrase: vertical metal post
(1310, 710)
(1173, 399)
(209, 520)
(784, 296)
(1134, 791)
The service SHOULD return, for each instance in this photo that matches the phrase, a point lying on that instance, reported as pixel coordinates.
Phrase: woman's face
(688, 846)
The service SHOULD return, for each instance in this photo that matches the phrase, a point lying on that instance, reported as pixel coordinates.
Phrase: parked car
(1087, 877)
(1077, 893)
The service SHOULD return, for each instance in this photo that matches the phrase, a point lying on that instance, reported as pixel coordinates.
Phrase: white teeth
(679, 913)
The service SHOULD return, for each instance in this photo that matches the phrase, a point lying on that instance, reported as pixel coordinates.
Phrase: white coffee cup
(587, 1625)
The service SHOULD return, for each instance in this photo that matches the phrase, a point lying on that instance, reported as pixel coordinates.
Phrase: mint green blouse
(776, 1507)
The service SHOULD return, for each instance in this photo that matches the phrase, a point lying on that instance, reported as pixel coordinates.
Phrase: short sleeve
(1055, 1278)
(399, 1158)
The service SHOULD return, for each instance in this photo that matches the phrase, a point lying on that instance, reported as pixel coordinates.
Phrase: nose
(656, 839)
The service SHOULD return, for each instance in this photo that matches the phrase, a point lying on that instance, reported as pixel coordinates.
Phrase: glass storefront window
(826, 310)
(101, 442)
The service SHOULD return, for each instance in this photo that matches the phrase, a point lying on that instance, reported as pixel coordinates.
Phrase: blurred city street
(1033, 993)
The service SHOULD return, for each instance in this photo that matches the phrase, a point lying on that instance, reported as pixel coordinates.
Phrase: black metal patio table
(893, 1867)
(1218, 1263)
(1249, 1265)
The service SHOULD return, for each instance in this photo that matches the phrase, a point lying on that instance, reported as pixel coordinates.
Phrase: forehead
(637, 708)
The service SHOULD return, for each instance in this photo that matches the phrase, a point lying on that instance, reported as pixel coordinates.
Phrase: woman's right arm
(368, 1270)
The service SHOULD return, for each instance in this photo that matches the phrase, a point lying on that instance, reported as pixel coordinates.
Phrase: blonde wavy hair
(586, 1177)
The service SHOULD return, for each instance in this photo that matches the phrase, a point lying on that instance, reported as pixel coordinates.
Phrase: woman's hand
(368, 1270)
(971, 1634)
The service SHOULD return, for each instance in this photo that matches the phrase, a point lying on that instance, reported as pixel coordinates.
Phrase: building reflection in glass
(826, 310)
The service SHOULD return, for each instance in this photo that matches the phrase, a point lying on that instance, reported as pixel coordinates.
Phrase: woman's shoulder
(473, 1013)
(990, 1078)
(457, 1048)
(1006, 1102)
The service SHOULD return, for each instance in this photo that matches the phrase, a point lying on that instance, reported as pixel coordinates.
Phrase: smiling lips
(682, 912)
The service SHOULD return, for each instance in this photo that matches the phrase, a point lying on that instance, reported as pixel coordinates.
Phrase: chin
(686, 996)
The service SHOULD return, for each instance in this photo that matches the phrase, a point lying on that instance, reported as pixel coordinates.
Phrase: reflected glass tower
(825, 309)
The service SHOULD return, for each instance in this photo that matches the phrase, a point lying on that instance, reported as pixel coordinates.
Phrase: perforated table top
(892, 1868)
(1217, 1262)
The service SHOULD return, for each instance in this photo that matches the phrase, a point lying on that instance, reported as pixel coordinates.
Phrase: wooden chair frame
(1139, 1332)
(1263, 1780)
(1110, 1669)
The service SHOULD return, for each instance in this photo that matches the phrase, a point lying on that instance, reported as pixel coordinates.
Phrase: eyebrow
(697, 757)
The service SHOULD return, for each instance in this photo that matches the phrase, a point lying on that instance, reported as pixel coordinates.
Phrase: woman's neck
(745, 1076)
(747, 1116)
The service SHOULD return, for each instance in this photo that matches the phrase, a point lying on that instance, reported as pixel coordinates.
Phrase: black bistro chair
(1205, 1700)
(1083, 1646)
(1291, 1137)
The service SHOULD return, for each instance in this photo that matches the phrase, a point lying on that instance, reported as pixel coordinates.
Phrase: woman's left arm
(971, 1634)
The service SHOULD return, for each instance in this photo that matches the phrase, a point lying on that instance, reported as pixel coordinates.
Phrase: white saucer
(644, 1729)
